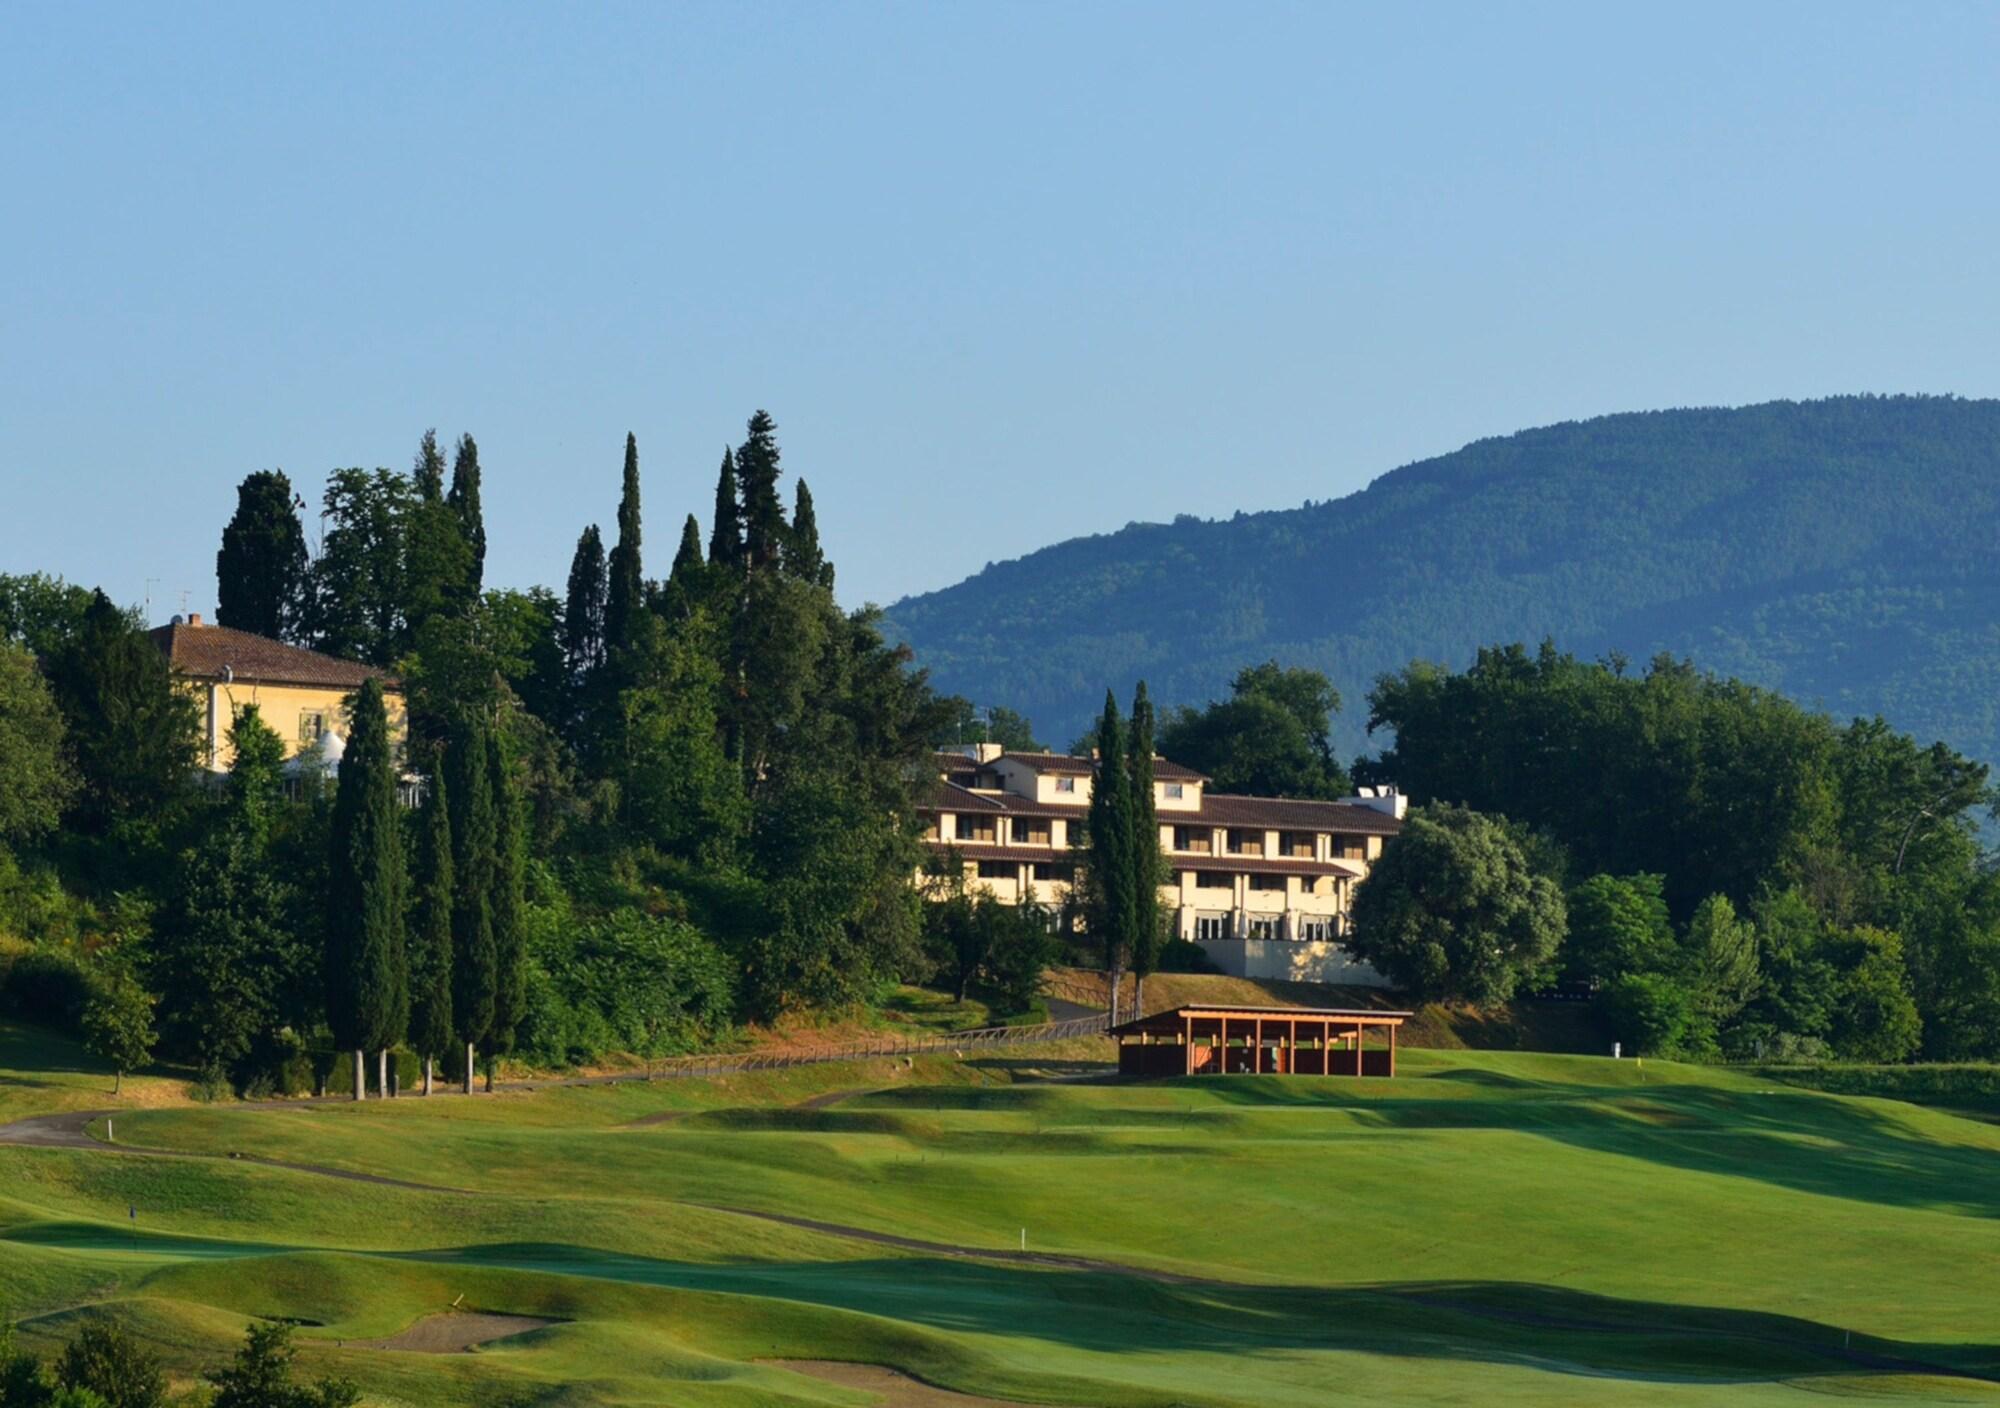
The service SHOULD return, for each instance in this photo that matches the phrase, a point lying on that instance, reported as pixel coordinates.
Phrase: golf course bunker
(892, 1387)
(455, 1332)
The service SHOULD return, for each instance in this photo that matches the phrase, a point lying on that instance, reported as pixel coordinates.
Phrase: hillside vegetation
(1845, 552)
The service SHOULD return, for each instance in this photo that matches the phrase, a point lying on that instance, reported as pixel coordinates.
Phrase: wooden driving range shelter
(1269, 1041)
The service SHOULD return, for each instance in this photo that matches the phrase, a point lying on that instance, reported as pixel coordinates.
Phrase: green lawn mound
(1503, 1227)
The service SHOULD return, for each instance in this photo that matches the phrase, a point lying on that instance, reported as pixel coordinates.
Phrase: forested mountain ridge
(1844, 551)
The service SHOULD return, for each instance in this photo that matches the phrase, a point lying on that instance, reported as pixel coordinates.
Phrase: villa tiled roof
(206, 652)
(1069, 765)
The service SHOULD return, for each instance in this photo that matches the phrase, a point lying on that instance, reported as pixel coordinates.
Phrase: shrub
(1185, 956)
(1652, 1014)
(107, 1362)
(49, 986)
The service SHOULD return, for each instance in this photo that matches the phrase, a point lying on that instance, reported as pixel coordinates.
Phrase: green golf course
(1487, 1227)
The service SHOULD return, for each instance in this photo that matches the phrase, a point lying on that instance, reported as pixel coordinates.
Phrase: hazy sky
(1003, 273)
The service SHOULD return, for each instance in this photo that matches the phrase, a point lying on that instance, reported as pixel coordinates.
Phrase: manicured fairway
(1487, 1228)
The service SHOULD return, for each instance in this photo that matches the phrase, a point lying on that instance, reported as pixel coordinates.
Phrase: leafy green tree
(261, 1377)
(367, 973)
(1875, 1018)
(431, 1027)
(261, 569)
(463, 500)
(135, 736)
(43, 613)
(36, 780)
(226, 952)
(965, 722)
(357, 602)
(1149, 864)
(1109, 885)
(118, 1025)
(1651, 1013)
(725, 536)
(22, 1383)
(1722, 961)
(625, 592)
(108, 1362)
(475, 839)
(1271, 737)
(802, 555)
(677, 788)
(757, 472)
(1618, 924)
(1453, 910)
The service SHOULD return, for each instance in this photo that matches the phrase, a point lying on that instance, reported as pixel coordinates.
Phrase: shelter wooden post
(1392, 1051)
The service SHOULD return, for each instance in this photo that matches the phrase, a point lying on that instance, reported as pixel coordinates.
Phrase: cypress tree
(1111, 911)
(464, 501)
(725, 537)
(260, 571)
(1147, 866)
(510, 992)
(430, 939)
(135, 736)
(583, 610)
(427, 475)
(367, 981)
(625, 594)
(757, 471)
(803, 558)
(474, 972)
(688, 559)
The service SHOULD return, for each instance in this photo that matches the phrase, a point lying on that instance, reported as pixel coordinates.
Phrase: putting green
(1486, 1228)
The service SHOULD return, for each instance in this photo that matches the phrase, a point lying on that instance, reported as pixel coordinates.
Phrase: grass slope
(1489, 1227)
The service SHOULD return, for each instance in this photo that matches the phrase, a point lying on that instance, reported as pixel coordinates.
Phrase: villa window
(1065, 784)
(311, 726)
(1176, 790)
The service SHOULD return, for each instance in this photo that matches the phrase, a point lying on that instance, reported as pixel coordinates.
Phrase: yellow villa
(301, 694)
(1262, 884)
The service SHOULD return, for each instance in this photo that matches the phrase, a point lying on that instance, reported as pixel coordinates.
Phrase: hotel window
(1267, 882)
(1213, 880)
(1031, 833)
(1296, 843)
(996, 870)
(1193, 838)
(931, 827)
(1176, 790)
(1314, 931)
(1349, 848)
(1211, 926)
(1245, 843)
(1266, 928)
(311, 726)
(1052, 870)
(1065, 784)
(976, 829)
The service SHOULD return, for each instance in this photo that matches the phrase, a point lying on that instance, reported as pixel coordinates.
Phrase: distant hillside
(1844, 551)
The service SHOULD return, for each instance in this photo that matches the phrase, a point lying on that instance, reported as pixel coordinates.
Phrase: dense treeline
(651, 807)
(1755, 540)
(1742, 874)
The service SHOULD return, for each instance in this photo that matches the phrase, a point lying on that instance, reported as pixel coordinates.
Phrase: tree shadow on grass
(1548, 1327)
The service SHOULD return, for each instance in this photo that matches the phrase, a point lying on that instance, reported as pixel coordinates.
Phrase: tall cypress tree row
(430, 939)
(625, 596)
(464, 500)
(427, 475)
(1111, 907)
(583, 611)
(1148, 867)
(474, 963)
(509, 941)
(260, 571)
(725, 535)
(803, 558)
(438, 573)
(367, 980)
(757, 471)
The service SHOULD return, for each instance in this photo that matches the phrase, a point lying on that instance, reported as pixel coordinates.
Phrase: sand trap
(454, 1333)
(892, 1387)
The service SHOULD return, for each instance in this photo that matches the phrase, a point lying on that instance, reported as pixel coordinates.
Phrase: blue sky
(1004, 274)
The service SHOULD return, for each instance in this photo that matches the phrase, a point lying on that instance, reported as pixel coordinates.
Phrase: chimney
(194, 618)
